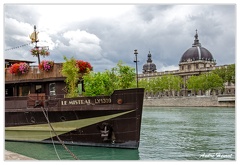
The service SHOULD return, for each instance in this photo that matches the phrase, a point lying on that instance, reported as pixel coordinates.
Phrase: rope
(53, 142)
(58, 136)
(54, 146)
(17, 47)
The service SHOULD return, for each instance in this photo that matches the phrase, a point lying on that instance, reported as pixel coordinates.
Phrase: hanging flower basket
(46, 65)
(40, 51)
(84, 67)
(19, 68)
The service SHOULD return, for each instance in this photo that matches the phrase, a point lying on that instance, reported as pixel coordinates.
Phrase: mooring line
(58, 136)
(53, 141)
(54, 146)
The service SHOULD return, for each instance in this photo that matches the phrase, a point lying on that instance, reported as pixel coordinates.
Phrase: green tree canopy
(71, 72)
(165, 82)
(207, 81)
(226, 73)
(104, 83)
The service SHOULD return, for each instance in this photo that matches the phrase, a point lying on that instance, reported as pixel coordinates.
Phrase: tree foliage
(71, 72)
(104, 83)
(207, 81)
(163, 83)
(226, 73)
(194, 83)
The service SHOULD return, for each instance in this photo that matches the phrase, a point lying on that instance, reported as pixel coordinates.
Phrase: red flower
(19, 68)
(14, 68)
(84, 67)
(46, 65)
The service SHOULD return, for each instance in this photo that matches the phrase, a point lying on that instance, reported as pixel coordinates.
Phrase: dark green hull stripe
(40, 132)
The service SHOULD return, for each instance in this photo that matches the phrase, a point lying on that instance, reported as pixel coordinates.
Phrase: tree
(104, 83)
(194, 83)
(74, 70)
(207, 81)
(71, 72)
(96, 84)
(226, 73)
(230, 73)
(211, 81)
(124, 74)
(163, 83)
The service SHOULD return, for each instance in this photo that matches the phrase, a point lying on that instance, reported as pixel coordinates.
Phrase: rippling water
(166, 134)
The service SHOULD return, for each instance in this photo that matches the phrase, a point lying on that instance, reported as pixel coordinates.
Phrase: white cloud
(169, 68)
(111, 32)
(84, 42)
(17, 30)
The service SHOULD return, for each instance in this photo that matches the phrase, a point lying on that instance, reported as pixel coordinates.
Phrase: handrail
(35, 73)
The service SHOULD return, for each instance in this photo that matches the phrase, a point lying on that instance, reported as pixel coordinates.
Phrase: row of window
(189, 66)
(25, 90)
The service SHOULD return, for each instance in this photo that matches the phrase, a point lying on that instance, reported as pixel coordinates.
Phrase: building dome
(196, 52)
(149, 67)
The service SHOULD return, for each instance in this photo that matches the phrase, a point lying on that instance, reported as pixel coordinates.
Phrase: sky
(105, 34)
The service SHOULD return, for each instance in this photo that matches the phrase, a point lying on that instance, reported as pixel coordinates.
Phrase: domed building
(196, 57)
(149, 67)
(194, 61)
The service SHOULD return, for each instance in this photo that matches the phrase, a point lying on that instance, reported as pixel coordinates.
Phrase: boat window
(9, 91)
(38, 88)
(23, 90)
(52, 89)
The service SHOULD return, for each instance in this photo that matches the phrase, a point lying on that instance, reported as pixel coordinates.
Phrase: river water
(167, 133)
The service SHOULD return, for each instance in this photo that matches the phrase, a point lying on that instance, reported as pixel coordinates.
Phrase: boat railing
(35, 73)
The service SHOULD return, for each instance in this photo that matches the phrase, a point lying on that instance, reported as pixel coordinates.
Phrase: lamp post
(136, 53)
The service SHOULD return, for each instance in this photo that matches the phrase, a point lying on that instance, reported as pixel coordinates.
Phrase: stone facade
(195, 61)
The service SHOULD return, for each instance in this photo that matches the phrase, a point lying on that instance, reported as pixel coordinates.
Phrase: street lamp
(136, 53)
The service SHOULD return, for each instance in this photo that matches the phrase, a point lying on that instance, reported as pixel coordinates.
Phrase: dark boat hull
(113, 121)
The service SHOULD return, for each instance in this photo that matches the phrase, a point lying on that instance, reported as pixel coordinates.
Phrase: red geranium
(84, 67)
(46, 65)
(19, 68)
(14, 69)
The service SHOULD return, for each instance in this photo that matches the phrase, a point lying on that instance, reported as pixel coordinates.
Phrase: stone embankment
(193, 101)
(14, 156)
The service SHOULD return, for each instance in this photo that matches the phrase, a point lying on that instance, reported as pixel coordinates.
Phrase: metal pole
(135, 52)
(36, 44)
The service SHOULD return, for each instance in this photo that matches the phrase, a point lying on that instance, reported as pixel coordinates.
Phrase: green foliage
(104, 83)
(194, 83)
(165, 82)
(207, 81)
(226, 73)
(70, 71)
(230, 75)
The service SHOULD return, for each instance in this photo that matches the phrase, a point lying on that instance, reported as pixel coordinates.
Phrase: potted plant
(39, 51)
(46, 65)
(19, 68)
(84, 67)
